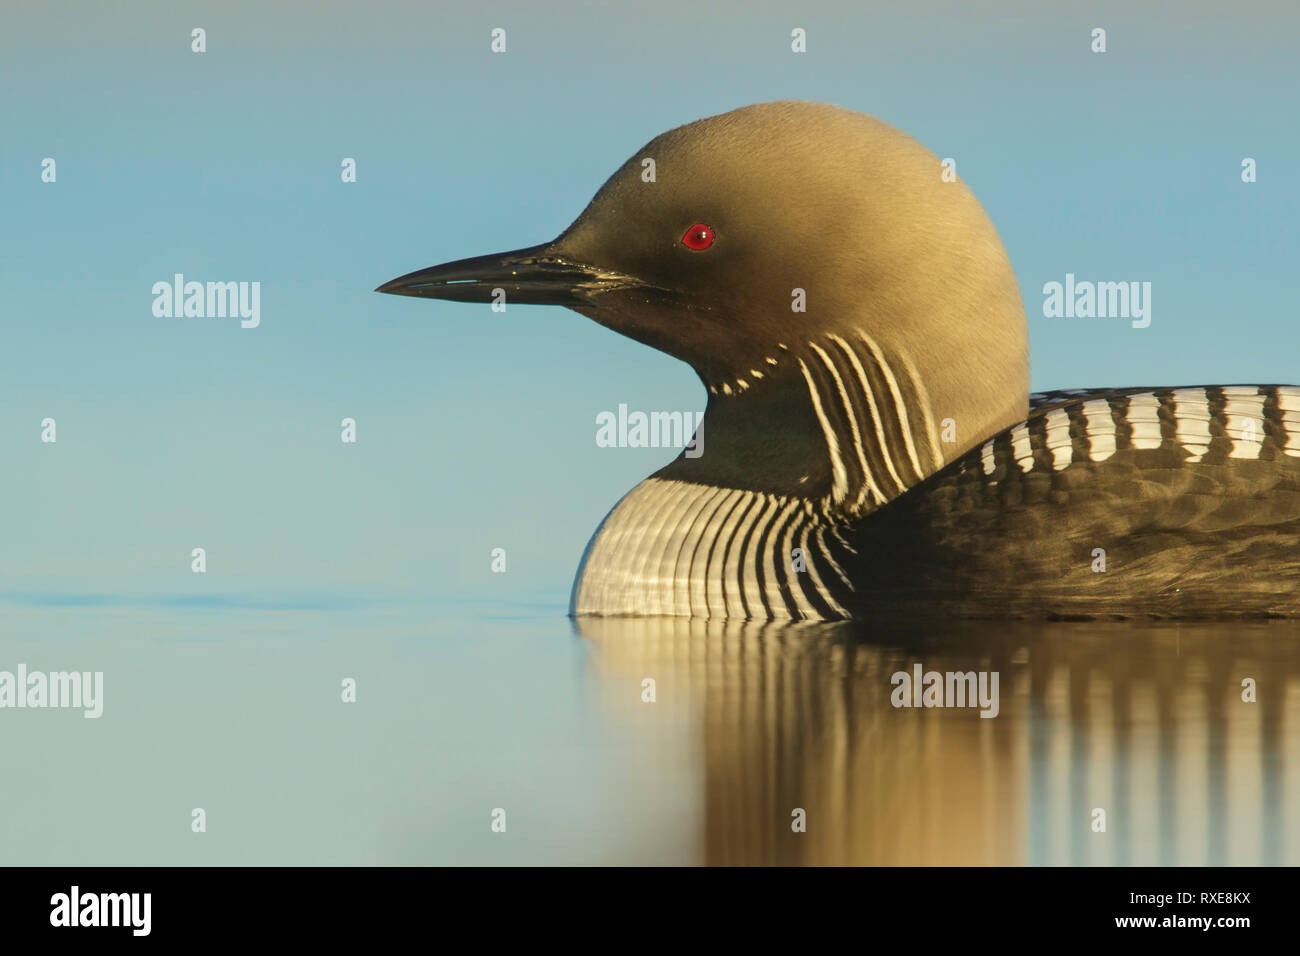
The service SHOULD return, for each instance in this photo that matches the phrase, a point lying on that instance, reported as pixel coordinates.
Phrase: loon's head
(737, 242)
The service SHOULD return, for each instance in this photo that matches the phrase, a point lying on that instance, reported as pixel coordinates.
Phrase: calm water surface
(235, 707)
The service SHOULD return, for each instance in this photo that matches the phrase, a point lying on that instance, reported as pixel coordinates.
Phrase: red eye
(699, 237)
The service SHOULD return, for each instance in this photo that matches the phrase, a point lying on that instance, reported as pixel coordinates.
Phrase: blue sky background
(477, 429)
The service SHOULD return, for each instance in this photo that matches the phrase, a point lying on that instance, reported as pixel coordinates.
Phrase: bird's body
(1105, 503)
(871, 448)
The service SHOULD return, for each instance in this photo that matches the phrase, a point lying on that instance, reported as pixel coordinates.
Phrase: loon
(872, 445)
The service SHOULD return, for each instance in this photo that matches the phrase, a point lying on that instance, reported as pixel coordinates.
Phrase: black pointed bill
(532, 276)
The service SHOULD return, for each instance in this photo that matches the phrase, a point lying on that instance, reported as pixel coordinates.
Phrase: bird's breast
(692, 550)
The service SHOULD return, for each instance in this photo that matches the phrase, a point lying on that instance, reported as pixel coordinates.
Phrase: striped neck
(838, 419)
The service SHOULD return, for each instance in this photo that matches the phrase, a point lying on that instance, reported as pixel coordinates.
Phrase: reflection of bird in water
(1145, 722)
(870, 442)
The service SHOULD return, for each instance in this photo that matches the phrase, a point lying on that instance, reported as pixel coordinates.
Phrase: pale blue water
(235, 707)
(237, 710)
